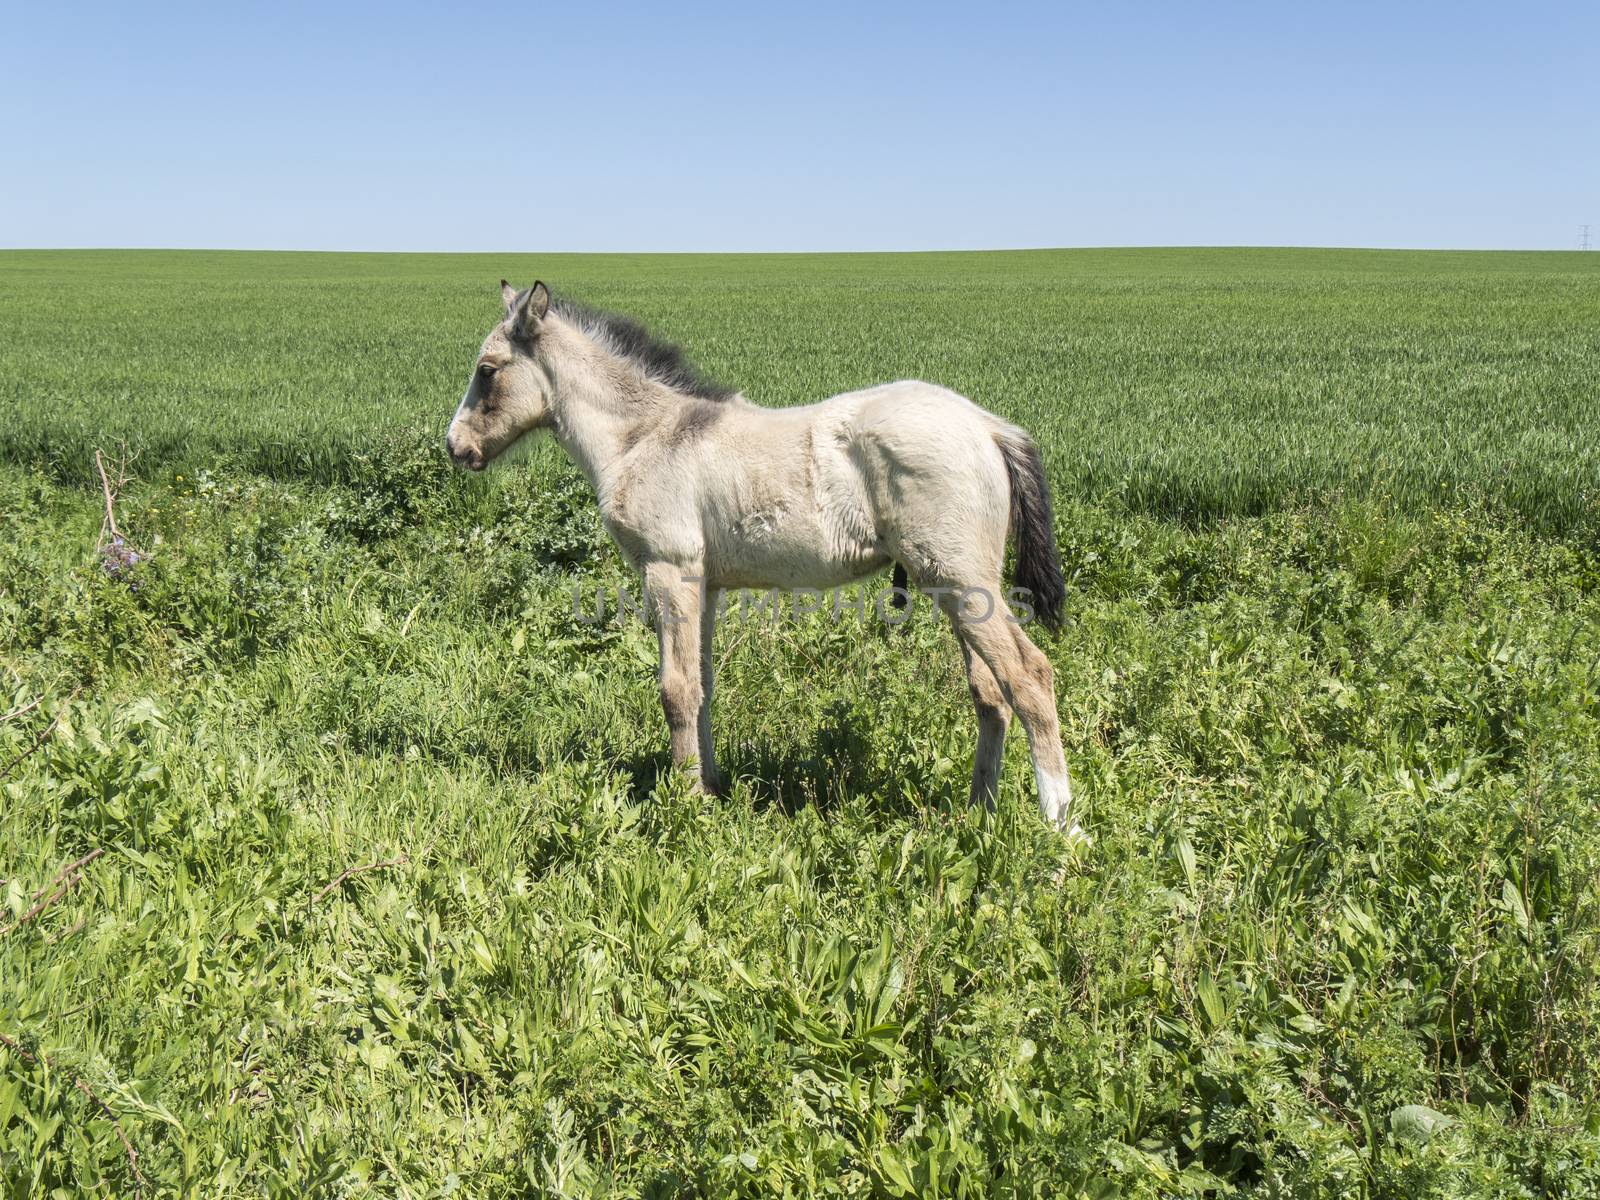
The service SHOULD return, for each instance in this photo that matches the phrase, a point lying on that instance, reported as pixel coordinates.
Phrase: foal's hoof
(1055, 806)
(1078, 843)
(1077, 837)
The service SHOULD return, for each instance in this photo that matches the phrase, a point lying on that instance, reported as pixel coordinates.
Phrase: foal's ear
(530, 310)
(535, 302)
(538, 301)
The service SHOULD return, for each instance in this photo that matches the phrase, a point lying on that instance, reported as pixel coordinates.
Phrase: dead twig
(350, 872)
(22, 710)
(38, 908)
(67, 878)
(94, 1098)
(77, 926)
(117, 558)
(110, 494)
(111, 484)
(40, 740)
(76, 865)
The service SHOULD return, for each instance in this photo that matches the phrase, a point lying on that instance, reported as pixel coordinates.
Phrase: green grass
(1193, 382)
(1328, 681)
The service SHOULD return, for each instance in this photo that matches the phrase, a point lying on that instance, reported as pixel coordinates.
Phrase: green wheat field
(384, 887)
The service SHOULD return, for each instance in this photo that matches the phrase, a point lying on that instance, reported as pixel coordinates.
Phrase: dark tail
(1033, 524)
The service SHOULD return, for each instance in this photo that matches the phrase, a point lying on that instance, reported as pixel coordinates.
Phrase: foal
(703, 490)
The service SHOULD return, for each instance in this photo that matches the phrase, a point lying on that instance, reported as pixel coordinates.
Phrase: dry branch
(110, 494)
(350, 872)
(67, 878)
(40, 740)
(76, 865)
(43, 904)
(52, 938)
(22, 710)
(111, 484)
(94, 1098)
(117, 557)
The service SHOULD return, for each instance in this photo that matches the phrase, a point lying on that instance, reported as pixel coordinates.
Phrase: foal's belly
(776, 561)
(775, 547)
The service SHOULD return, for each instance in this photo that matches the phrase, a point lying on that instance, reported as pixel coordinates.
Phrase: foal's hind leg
(710, 778)
(1027, 683)
(994, 715)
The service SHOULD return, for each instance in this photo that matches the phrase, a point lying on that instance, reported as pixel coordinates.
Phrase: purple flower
(118, 558)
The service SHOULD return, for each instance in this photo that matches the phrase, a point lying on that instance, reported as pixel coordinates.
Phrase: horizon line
(794, 253)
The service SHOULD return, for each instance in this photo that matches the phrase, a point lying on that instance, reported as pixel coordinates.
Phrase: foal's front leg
(677, 596)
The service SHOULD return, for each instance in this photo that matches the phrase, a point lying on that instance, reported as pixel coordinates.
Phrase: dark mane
(659, 359)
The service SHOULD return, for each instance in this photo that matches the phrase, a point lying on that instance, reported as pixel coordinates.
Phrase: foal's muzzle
(472, 460)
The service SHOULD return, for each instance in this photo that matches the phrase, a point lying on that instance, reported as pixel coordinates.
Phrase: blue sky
(551, 127)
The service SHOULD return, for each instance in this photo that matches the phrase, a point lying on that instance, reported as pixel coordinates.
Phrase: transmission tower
(1583, 239)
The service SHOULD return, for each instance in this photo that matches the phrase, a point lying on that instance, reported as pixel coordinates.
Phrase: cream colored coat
(703, 494)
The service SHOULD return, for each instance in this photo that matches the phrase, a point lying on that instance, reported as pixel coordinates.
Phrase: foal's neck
(603, 406)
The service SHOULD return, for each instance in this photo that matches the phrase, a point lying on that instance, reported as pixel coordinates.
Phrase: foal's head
(510, 390)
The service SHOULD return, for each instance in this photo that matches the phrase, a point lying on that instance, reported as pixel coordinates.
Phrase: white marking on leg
(1055, 804)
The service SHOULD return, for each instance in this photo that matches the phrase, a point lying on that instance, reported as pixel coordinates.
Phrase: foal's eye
(486, 371)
